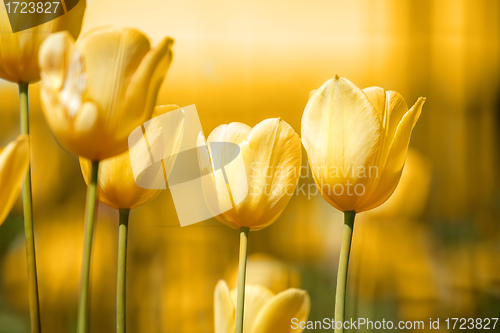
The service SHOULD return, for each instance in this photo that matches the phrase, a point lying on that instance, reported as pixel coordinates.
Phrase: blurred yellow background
(433, 250)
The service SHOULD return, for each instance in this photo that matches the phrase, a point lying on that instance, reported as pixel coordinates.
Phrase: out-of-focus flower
(14, 161)
(116, 184)
(268, 272)
(265, 311)
(356, 142)
(19, 50)
(96, 91)
(272, 156)
(410, 197)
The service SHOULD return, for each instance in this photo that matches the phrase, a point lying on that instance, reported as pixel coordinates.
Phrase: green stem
(34, 303)
(242, 270)
(83, 309)
(121, 280)
(345, 250)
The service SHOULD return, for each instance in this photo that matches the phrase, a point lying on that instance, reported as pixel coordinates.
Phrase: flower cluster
(97, 88)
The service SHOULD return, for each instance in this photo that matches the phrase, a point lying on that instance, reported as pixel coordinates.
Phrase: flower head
(96, 91)
(260, 189)
(356, 142)
(19, 50)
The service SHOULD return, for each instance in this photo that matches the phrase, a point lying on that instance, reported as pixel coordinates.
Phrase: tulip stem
(122, 272)
(242, 271)
(29, 233)
(345, 250)
(83, 308)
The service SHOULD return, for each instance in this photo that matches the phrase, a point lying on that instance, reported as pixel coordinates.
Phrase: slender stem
(242, 272)
(121, 281)
(34, 303)
(83, 310)
(345, 250)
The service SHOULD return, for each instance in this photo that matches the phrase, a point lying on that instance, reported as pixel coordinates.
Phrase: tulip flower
(94, 93)
(19, 64)
(272, 158)
(267, 312)
(356, 142)
(116, 187)
(264, 184)
(14, 161)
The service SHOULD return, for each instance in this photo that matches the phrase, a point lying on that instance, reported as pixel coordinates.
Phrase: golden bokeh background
(433, 250)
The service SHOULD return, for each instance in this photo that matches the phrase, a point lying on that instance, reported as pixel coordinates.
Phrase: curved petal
(236, 133)
(391, 173)
(377, 97)
(341, 132)
(14, 161)
(54, 57)
(277, 314)
(396, 108)
(141, 93)
(256, 297)
(224, 309)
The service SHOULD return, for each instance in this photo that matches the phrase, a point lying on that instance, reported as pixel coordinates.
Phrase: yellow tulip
(265, 312)
(116, 185)
(14, 160)
(19, 50)
(96, 91)
(356, 142)
(272, 158)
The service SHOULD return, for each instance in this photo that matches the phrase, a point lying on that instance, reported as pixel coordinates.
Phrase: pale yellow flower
(14, 161)
(272, 158)
(356, 142)
(19, 50)
(116, 185)
(265, 311)
(96, 91)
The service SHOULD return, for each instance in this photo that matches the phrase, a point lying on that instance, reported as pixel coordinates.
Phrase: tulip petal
(395, 109)
(145, 83)
(393, 166)
(224, 309)
(256, 297)
(377, 97)
(111, 56)
(54, 57)
(341, 131)
(277, 314)
(14, 161)
(272, 155)
(236, 133)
